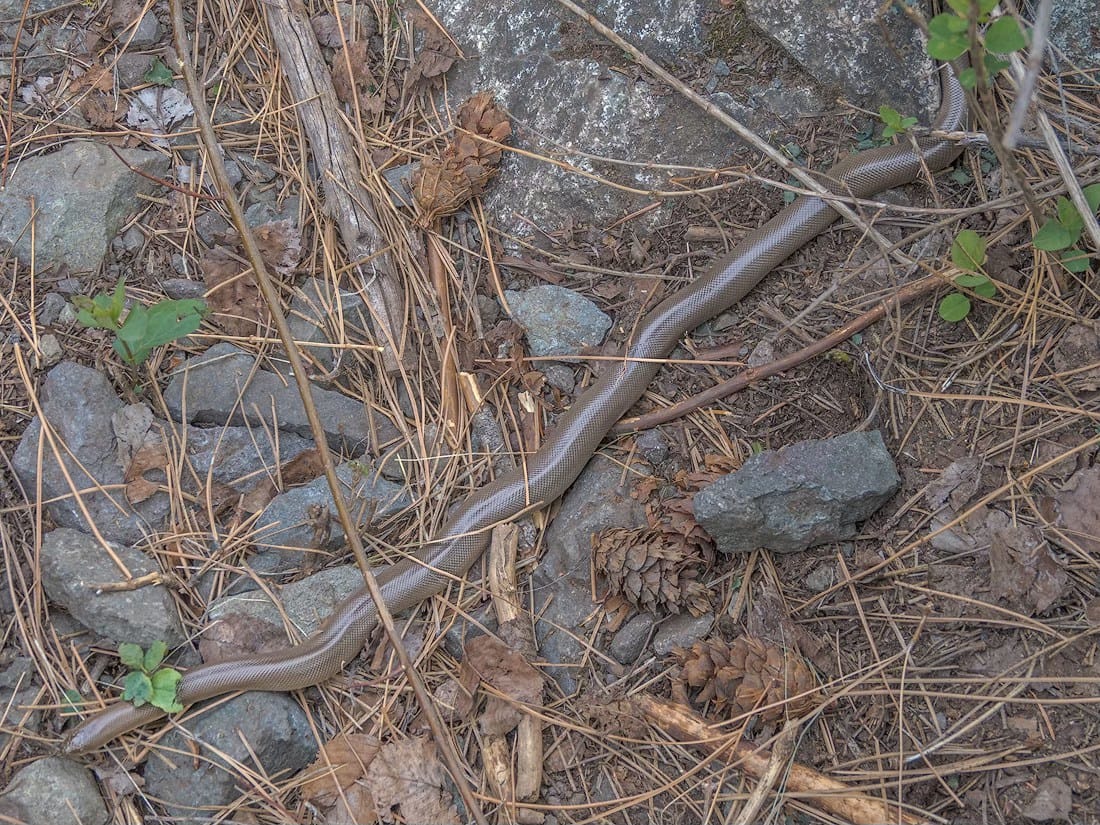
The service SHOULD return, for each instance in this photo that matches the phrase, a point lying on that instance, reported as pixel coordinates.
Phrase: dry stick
(839, 204)
(271, 297)
(810, 786)
(333, 151)
(904, 295)
(1026, 87)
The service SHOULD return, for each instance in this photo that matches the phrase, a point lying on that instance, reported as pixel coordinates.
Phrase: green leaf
(968, 250)
(131, 655)
(947, 37)
(1075, 261)
(963, 6)
(72, 702)
(1004, 35)
(165, 683)
(1052, 236)
(169, 320)
(968, 78)
(943, 24)
(994, 64)
(970, 281)
(138, 688)
(986, 289)
(960, 176)
(159, 74)
(154, 656)
(954, 307)
(1069, 217)
(1092, 196)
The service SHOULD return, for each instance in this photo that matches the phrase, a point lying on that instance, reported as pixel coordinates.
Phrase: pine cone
(646, 572)
(745, 675)
(442, 185)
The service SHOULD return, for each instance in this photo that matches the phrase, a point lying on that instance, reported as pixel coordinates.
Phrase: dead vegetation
(953, 642)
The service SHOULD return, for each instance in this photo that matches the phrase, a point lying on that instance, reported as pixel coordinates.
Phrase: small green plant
(968, 254)
(148, 683)
(895, 124)
(159, 74)
(1061, 233)
(949, 37)
(143, 328)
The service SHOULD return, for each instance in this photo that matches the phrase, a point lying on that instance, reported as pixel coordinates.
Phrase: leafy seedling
(895, 124)
(949, 38)
(159, 74)
(148, 683)
(1061, 233)
(968, 254)
(143, 328)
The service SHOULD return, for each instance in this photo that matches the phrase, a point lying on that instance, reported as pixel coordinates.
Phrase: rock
(79, 403)
(538, 62)
(629, 642)
(318, 317)
(53, 791)
(223, 387)
(652, 446)
(50, 349)
(560, 377)
(809, 493)
(82, 193)
(18, 699)
(286, 531)
(1073, 31)
(145, 34)
(477, 622)
(844, 44)
(306, 602)
(189, 773)
(397, 179)
(561, 583)
(681, 631)
(182, 288)
(130, 69)
(557, 321)
(821, 577)
(50, 310)
(74, 566)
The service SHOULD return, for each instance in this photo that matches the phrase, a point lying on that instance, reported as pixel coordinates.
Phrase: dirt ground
(953, 641)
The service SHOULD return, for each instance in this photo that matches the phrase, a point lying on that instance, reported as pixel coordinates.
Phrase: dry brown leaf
(1076, 509)
(150, 456)
(234, 300)
(1023, 571)
(338, 788)
(301, 469)
(436, 55)
(1053, 800)
(407, 776)
(505, 669)
(238, 634)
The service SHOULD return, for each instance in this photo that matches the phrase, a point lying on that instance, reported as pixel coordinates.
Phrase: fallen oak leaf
(338, 789)
(408, 775)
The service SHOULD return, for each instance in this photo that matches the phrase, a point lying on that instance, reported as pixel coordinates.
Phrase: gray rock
(182, 288)
(560, 377)
(821, 577)
(809, 493)
(307, 602)
(488, 309)
(53, 791)
(479, 621)
(268, 726)
(74, 566)
(130, 69)
(536, 59)
(629, 642)
(317, 316)
(18, 698)
(79, 404)
(237, 456)
(12, 10)
(223, 387)
(146, 33)
(209, 224)
(50, 310)
(652, 446)
(680, 631)
(50, 349)
(557, 321)
(561, 583)
(1073, 30)
(398, 179)
(843, 44)
(284, 528)
(82, 194)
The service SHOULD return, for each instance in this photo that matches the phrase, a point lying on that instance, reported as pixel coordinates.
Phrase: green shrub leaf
(1004, 35)
(1052, 236)
(954, 307)
(137, 688)
(1092, 196)
(968, 251)
(154, 656)
(131, 655)
(165, 686)
(1075, 261)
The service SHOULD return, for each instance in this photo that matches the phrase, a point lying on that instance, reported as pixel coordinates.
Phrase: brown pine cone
(443, 184)
(745, 675)
(643, 570)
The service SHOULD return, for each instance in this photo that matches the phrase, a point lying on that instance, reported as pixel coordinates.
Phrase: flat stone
(189, 774)
(53, 791)
(82, 194)
(557, 321)
(808, 493)
(74, 568)
(222, 386)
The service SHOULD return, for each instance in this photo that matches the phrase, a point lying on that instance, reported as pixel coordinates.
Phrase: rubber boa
(568, 445)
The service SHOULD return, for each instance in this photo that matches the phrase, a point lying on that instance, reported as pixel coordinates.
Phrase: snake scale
(569, 443)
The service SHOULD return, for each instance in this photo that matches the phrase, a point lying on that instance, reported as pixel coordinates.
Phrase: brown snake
(568, 445)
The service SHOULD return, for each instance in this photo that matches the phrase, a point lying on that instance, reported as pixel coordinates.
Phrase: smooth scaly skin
(567, 448)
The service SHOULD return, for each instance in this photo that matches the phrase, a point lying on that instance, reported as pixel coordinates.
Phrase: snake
(568, 444)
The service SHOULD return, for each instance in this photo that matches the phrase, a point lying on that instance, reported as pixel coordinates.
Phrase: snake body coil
(569, 444)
